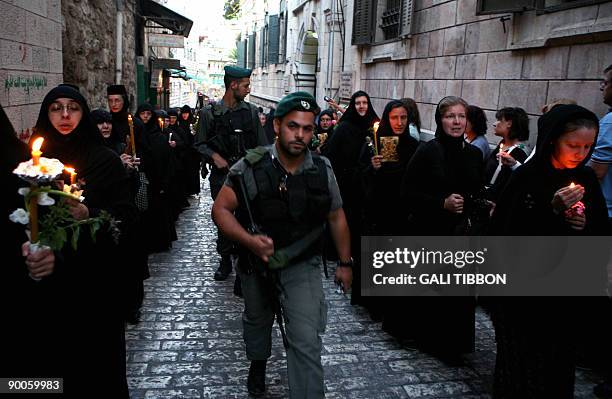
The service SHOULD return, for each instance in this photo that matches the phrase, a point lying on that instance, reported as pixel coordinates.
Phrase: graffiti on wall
(25, 82)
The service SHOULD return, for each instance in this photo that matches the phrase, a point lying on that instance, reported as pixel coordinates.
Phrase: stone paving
(189, 342)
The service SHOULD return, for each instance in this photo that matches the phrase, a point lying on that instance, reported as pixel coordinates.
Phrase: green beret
(298, 101)
(237, 72)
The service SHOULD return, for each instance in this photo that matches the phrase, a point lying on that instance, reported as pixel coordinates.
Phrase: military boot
(256, 384)
(225, 268)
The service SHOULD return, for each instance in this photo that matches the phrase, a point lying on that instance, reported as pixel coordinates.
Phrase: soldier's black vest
(225, 139)
(288, 215)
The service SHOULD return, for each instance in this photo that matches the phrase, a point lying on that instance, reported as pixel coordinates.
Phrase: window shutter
(241, 54)
(273, 39)
(251, 52)
(500, 6)
(406, 18)
(363, 28)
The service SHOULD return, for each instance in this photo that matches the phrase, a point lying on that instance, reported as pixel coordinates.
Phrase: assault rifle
(257, 264)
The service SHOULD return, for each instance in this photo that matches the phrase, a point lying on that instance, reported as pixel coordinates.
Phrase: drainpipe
(330, 51)
(119, 40)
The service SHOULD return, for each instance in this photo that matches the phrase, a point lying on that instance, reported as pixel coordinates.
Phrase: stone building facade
(524, 59)
(293, 45)
(90, 43)
(30, 57)
(428, 49)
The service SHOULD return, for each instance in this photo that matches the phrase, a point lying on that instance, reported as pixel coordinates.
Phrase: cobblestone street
(189, 342)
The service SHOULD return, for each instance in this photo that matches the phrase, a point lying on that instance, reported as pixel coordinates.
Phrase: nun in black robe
(88, 313)
(156, 162)
(27, 306)
(444, 166)
(383, 211)
(344, 151)
(537, 337)
(192, 159)
(177, 151)
(121, 126)
(132, 242)
(99, 116)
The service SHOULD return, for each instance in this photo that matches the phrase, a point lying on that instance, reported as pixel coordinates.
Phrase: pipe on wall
(119, 40)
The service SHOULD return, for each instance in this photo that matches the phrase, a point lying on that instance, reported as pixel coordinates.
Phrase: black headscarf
(352, 116)
(152, 126)
(99, 116)
(452, 143)
(327, 112)
(74, 148)
(120, 119)
(550, 128)
(406, 143)
(184, 124)
(120, 90)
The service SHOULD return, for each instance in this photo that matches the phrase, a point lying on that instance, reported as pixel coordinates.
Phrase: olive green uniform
(300, 294)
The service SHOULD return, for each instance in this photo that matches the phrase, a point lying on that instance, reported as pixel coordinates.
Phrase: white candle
(36, 153)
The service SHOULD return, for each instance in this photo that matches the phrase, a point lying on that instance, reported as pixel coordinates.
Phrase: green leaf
(93, 229)
(76, 231)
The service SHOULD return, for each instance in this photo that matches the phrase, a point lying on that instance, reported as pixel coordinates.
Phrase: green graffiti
(25, 82)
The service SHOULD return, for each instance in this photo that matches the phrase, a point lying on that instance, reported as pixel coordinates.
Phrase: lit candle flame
(36, 153)
(375, 129)
(72, 175)
(129, 118)
(572, 185)
(161, 123)
(37, 144)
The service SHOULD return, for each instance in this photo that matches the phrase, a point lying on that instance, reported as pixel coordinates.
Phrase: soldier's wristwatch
(348, 263)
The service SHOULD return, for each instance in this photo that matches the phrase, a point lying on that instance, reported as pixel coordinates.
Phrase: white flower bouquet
(56, 225)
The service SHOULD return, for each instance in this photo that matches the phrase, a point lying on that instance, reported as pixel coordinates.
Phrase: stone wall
(453, 51)
(30, 57)
(270, 83)
(89, 44)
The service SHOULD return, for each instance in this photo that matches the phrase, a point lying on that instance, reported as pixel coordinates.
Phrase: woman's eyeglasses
(57, 108)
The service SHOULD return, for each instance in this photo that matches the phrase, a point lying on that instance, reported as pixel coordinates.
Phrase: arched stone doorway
(306, 76)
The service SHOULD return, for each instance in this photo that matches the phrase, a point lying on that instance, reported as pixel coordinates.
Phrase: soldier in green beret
(225, 131)
(275, 203)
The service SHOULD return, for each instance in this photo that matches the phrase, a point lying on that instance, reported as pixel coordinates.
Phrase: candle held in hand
(73, 175)
(132, 140)
(375, 130)
(36, 153)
